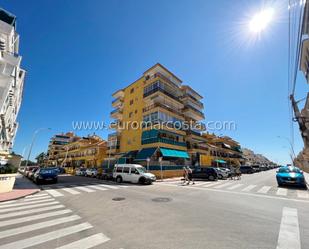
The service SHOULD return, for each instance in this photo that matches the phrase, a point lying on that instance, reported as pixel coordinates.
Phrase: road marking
(37, 198)
(6, 202)
(203, 183)
(282, 191)
(86, 243)
(303, 194)
(242, 193)
(33, 217)
(25, 203)
(235, 186)
(212, 184)
(85, 189)
(71, 191)
(4, 210)
(30, 211)
(39, 239)
(53, 192)
(108, 186)
(289, 230)
(264, 189)
(249, 188)
(37, 226)
(97, 187)
(36, 195)
(224, 185)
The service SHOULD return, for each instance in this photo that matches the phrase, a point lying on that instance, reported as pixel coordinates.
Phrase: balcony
(118, 94)
(189, 98)
(116, 114)
(159, 89)
(163, 140)
(117, 102)
(164, 106)
(193, 113)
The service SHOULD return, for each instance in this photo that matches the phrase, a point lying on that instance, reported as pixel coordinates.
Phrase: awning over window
(174, 153)
(220, 161)
(143, 154)
(227, 146)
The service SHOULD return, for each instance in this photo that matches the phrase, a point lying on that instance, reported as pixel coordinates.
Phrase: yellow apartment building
(149, 117)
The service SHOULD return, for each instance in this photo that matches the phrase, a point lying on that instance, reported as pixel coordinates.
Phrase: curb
(19, 197)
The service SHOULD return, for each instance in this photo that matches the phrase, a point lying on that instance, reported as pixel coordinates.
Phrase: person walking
(232, 173)
(185, 175)
(238, 173)
(190, 177)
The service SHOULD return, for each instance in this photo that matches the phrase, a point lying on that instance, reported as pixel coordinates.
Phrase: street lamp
(32, 142)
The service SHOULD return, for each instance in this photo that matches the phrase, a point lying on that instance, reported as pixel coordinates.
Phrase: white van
(133, 173)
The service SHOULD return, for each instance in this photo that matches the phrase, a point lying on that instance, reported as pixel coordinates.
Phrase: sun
(260, 21)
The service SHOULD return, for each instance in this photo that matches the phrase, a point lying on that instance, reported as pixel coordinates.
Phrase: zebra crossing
(61, 191)
(40, 220)
(237, 186)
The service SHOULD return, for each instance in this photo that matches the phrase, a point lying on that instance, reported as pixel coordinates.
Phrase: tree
(41, 158)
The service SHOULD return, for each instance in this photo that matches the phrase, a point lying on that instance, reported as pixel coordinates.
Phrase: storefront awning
(145, 153)
(174, 153)
(220, 161)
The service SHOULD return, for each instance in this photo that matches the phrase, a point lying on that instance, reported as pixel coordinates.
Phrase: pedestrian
(190, 177)
(185, 175)
(238, 173)
(232, 173)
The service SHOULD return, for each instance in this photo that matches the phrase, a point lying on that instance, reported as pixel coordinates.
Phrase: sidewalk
(22, 187)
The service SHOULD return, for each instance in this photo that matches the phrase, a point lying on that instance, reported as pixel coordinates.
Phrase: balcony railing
(159, 89)
(169, 108)
(117, 99)
(194, 109)
(196, 101)
(116, 110)
(159, 75)
(163, 140)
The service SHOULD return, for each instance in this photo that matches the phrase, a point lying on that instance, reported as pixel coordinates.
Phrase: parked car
(247, 170)
(60, 170)
(32, 172)
(21, 170)
(91, 172)
(106, 174)
(222, 173)
(256, 168)
(290, 175)
(133, 173)
(80, 172)
(208, 173)
(29, 170)
(45, 175)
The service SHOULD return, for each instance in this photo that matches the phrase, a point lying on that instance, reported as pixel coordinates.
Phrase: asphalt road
(81, 212)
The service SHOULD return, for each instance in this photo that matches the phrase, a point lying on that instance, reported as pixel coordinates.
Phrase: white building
(11, 82)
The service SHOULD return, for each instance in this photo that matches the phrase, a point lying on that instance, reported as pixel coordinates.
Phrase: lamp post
(32, 142)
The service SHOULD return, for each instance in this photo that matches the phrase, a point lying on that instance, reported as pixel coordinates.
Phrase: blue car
(290, 175)
(46, 175)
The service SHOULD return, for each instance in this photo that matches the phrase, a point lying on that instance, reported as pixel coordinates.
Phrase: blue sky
(77, 53)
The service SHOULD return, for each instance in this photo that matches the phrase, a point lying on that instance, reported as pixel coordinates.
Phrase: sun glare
(261, 20)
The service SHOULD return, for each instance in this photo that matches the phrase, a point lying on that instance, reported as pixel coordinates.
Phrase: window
(132, 90)
(126, 170)
(130, 114)
(119, 169)
(135, 111)
(131, 102)
(133, 170)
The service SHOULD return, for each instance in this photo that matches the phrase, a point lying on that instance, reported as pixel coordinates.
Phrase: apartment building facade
(149, 117)
(56, 146)
(11, 82)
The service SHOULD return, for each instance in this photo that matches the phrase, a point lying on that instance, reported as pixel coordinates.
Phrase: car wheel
(220, 177)
(211, 178)
(119, 179)
(142, 180)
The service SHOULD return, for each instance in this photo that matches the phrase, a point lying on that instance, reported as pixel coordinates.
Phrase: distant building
(56, 146)
(11, 82)
(252, 158)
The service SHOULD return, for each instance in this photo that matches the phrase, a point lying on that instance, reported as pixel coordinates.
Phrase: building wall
(130, 138)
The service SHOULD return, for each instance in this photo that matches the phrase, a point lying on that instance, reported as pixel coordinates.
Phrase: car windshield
(141, 170)
(289, 170)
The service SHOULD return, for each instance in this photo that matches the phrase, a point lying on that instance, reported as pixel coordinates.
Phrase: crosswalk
(245, 188)
(61, 191)
(40, 219)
